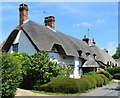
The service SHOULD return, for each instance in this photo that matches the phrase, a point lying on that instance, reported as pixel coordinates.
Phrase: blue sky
(72, 18)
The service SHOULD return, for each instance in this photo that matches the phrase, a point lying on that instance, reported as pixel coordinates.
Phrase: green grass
(112, 81)
(61, 94)
(56, 94)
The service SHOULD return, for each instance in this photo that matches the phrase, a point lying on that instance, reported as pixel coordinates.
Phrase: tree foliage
(117, 54)
(40, 70)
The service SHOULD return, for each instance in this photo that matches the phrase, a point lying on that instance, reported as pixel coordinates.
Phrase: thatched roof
(43, 38)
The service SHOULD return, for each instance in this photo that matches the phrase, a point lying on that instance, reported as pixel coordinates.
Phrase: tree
(117, 54)
(40, 70)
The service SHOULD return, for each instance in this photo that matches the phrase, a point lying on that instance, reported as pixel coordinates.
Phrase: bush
(107, 74)
(95, 80)
(11, 76)
(106, 80)
(40, 70)
(99, 80)
(83, 85)
(91, 80)
(24, 60)
(116, 76)
(63, 85)
(89, 73)
(113, 71)
(69, 85)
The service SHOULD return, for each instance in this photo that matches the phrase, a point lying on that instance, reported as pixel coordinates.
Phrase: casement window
(87, 54)
(15, 47)
(54, 50)
(94, 55)
(80, 53)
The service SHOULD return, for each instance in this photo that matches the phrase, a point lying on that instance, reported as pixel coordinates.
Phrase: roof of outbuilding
(90, 62)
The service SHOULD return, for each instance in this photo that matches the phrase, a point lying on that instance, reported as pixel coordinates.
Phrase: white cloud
(82, 24)
(112, 47)
(100, 21)
(67, 8)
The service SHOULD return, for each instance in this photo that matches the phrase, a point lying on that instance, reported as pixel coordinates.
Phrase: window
(54, 50)
(94, 55)
(87, 54)
(80, 52)
(15, 47)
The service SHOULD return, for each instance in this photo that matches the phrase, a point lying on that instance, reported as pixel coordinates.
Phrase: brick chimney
(93, 41)
(106, 50)
(50, 21)
(86, 39)
(23, 13)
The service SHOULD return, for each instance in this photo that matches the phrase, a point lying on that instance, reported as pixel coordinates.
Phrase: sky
(71, 18)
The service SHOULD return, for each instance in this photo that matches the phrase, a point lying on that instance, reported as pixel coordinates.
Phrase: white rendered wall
(24, 44)
(69, 61)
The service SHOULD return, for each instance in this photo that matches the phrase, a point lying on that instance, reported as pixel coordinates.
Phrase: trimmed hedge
(106, 80)
(69, 85)
(91, 80)
(63, 85)
(107, 74)
(116, 76)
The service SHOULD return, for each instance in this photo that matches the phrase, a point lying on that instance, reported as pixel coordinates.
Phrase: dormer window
(87, 54)
(54, 50)
(15, 47)
(80, 53)
(94, 55)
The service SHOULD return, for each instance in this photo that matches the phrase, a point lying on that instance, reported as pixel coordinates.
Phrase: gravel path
(22, 92)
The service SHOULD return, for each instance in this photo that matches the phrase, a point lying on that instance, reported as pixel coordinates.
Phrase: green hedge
(91, 80)
(69, 85)
(105, 79)
(116, 76)
(11, 76)
(63, 85)
(107, 74)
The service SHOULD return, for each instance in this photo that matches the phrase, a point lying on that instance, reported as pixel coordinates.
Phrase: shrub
(113, 71)
(83, 85)
(116, 76)
(63, 85)
(11, 76)
(40, 70)
(95, 80)
(91, 79)
(69, 85)
(106, 80)
(89, 73)
(107, 74)
(24, 60)
(99, 80)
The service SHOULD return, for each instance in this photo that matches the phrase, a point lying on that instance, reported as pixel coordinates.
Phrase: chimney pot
(106, 50)
(93, 41)
(50, 21)
(86, 39)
